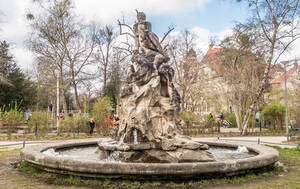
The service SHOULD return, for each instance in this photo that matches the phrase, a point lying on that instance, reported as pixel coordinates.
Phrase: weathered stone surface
(121, 147)
(128, 156)
(182, 142)
(140, 146)
(184, 155)
(151, 156)
(149, 105)
(113, 146)
(149, 101)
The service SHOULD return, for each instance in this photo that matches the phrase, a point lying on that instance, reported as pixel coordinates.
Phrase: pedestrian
(51, 107)
(221, 119)
(92, 126)
(27, 115)
(71, 113)
(116, 118)
(62, 115)
(210, 116)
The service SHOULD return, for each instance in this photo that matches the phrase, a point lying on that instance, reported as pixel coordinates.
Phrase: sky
(206, 18)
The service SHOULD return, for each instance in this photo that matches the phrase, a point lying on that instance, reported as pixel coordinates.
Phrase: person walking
(221, 119)
(92, 126)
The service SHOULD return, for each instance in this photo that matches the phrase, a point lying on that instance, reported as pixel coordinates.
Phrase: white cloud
(108, 11)
(203, 36)
(14, 27)
(23, 57)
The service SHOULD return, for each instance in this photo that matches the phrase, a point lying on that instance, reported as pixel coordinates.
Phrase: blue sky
(217, 15)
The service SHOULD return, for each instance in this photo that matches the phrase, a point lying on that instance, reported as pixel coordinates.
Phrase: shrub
(209, 121)
(82, 123)
(101, 113)
(230, 117)
(74, 125)
(274, 113)
(190, 118)
(68, 125)
(1, 117)
(39, 119)
(12, 118)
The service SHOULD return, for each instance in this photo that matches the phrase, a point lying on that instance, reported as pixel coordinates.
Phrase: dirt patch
(12, 178)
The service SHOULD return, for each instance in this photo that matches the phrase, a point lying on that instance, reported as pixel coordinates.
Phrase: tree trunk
(76, 96)
(237, 116)
(104, 78)
(63, 88)
(253, 121)
(246, 118)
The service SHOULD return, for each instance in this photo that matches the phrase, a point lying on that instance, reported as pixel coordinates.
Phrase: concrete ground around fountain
(271, 140)
(275, 140)
(32, 154)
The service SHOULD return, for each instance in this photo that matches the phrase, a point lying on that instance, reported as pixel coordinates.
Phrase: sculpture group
(149, 105)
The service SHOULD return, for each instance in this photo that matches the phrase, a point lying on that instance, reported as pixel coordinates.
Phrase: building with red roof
(279, 80)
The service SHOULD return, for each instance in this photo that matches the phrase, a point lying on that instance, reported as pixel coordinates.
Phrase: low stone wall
(33, 155)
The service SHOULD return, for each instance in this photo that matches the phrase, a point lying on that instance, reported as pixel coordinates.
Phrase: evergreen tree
(14, 86)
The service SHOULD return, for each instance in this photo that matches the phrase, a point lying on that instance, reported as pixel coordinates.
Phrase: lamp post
(286, 101)
(57, 100)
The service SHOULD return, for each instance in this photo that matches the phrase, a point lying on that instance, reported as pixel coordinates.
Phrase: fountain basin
(34, 155)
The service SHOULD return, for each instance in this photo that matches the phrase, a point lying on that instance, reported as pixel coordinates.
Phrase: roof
(211, 58)
(279, 80)
(211, 54)
(275, 69)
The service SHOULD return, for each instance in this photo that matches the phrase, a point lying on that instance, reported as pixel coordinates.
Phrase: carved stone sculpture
(149, 106)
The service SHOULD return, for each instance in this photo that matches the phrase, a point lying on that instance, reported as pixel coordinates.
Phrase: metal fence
(205, 132)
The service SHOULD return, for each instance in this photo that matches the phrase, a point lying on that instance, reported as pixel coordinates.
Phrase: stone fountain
(148, 142)
(149, 104)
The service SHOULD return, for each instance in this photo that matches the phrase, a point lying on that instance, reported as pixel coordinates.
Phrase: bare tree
(276, 26)
(185, 62)
(105, 40)
(78, 55)
(58, 38)
(242, 70)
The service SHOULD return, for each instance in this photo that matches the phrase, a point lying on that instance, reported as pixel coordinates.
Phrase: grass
(5, 153)
(290, 156)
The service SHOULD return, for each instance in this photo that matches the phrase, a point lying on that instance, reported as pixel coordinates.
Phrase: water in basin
(89, 153)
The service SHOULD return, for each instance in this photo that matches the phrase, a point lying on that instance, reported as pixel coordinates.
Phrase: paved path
(6, 145)
(272, 140)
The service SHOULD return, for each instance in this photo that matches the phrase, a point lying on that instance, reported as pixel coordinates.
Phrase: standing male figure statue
(147, 42)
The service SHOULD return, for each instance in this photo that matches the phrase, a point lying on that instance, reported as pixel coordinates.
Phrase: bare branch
(125, 33)
(171, 28)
